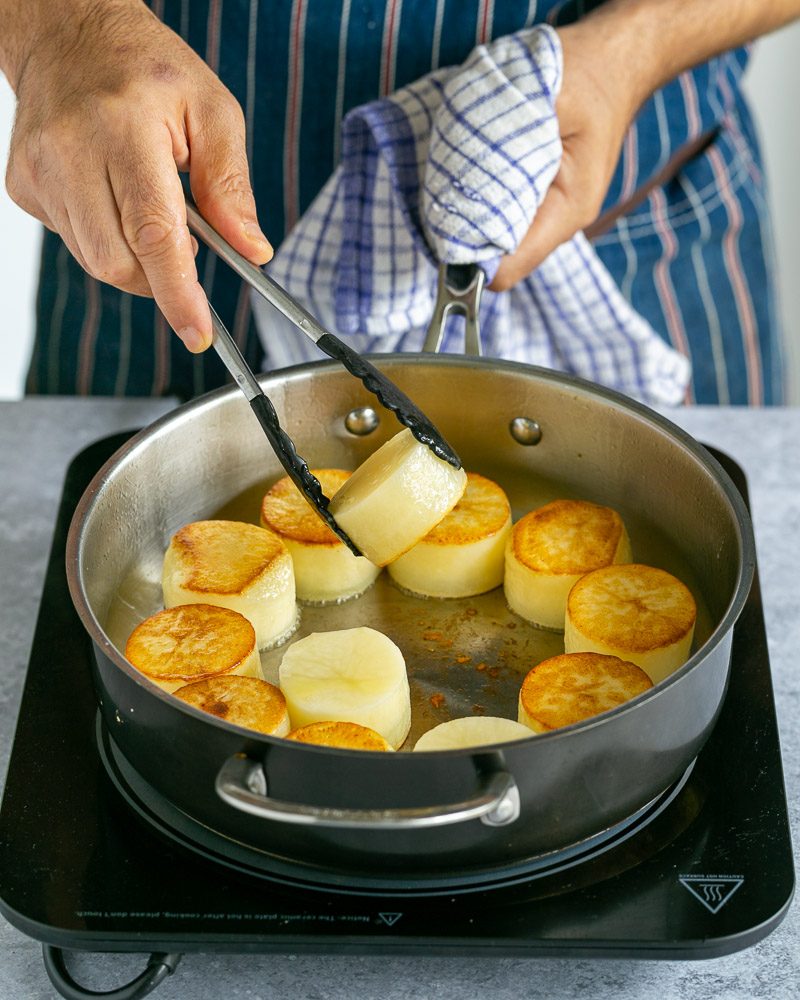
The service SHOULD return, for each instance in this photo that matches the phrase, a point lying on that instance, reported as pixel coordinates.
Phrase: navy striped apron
(693, 257)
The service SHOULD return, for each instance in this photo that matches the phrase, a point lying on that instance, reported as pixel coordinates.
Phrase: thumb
(220, 181)
(555, 222)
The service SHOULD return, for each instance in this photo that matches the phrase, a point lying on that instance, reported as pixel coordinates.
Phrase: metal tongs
(377, 383)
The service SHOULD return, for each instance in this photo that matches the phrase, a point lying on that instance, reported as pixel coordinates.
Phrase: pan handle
(458, 290)
(242, 783)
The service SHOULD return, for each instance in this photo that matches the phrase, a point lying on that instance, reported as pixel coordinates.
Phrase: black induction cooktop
(704, 871)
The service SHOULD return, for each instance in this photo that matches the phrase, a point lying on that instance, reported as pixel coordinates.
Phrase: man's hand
(600, 95)
(614, 59)
(111, 105)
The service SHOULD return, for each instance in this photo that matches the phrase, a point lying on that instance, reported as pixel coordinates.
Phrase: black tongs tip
(390, 396)
(297, 467)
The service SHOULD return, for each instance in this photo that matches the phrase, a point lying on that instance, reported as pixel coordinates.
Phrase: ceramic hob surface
(706, 871)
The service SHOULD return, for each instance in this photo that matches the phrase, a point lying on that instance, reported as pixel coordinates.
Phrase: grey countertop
(37, 439)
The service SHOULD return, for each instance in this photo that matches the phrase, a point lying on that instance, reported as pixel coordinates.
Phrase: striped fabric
(453, 168)
(693, 259)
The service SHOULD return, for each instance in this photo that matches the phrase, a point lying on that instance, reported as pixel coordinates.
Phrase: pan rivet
(361, 421)
(525, 431)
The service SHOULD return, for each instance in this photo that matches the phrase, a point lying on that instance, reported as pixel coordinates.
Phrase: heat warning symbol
(713, 891)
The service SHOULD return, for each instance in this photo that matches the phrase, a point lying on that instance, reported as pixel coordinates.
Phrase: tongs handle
(282, 444)
(375, 381)
(267, 287)
(233, 359)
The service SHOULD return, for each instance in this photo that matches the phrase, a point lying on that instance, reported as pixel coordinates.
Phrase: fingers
(552, 226)
(102, 248)
(152, 218)
(126, 227)
(85, 213)
(220, 180)
(571, 203)
(55, 218)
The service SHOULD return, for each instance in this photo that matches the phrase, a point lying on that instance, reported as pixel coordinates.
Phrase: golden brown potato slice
(345, 735)
(233, 565)
(636, 612)
(551, 548)
(576, 686)
(191, 643)
(245, 701)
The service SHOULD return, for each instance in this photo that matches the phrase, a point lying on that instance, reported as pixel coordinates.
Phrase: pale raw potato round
(233, 565)
(471, 731)
(551, 548)
(325, 570)
(639, 613)
(576, 686)
(464, 554)
(395, 497)
(344, 735)
(191, 643)
(352, 675)
(244, 701)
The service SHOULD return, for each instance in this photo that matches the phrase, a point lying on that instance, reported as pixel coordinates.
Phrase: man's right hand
(111, 105)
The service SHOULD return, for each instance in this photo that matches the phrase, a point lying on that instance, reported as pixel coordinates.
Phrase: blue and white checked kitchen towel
(452, 168)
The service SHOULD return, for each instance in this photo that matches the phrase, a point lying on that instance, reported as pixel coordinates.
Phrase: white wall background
(773, 83)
